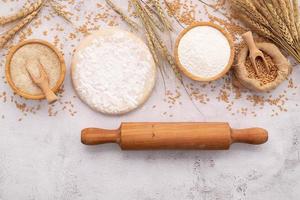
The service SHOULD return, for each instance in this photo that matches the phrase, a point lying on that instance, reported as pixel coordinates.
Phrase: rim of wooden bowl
(189, 74)
(11, 53)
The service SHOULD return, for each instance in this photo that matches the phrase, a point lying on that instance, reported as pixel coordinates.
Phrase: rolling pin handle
(94, 136)
(249, 136)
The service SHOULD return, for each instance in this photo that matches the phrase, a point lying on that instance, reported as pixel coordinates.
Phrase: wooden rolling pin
(148, 135)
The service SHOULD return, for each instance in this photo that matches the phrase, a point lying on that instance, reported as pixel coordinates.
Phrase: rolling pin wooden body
(148, 135)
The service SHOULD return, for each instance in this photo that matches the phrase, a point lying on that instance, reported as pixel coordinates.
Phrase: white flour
(204, 51)
(115, 72)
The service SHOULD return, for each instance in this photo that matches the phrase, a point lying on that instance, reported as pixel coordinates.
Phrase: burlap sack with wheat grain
(242, 75)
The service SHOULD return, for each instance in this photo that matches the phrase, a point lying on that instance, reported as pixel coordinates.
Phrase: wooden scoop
(148, 135)
(255, 53)
(41, 81)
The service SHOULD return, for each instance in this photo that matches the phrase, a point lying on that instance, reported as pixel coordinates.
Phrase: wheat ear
(289, 9)
(140, 13)
(282, 21)
(156, 41)
(21, 13)
(152, 48)
(296, 15)
(59, 10)
(288, 16)
(152, 19)
(284, 9)
(296, 10)
(161, 14)
(156, 45)
(152, 10)
(286, 34)
(122, 15)
(293, 25)
(278, 27)
(12, 32)
(249, 9)
(260, 29)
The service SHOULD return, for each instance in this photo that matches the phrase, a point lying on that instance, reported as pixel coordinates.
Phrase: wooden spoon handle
(249, 136)
(248, 37)
(49, 94)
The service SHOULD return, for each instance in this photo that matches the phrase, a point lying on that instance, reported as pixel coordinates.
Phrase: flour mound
(113, 71)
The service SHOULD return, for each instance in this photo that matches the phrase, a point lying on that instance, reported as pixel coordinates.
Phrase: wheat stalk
(155, 43)
(21, 13)
(12, 32)
(289, 9)
(161, 14)
(151, 10)
(146, 22)
(153, 19)
(151, 47)
(296, 10)
(284, 8)
(280, 24)
(288, 15)
(261, 30)
(157, 47)
(250, 11)
(296, 15)
(277, 20)
(149, 26)
(59, 10)
(149, 34)
(267, 15)
(122, 15)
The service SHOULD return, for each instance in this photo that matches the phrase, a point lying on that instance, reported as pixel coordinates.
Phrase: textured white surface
(114, 72)
(204, 51)
(41, 157)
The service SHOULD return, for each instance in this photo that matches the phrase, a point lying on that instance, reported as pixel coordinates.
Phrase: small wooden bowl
(8, 75)
(185, 71)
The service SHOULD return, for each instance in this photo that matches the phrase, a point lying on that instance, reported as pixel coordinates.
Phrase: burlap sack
(284, 68)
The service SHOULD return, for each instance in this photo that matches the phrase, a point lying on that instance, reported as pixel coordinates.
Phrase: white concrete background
(41, 157)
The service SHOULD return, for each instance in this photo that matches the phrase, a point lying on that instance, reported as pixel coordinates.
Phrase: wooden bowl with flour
(204, 51)
(17, 75)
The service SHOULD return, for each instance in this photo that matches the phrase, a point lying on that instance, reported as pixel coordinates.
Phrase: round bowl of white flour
(204, 51)
(113, 71)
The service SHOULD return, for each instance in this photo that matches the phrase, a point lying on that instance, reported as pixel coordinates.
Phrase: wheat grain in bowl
(204, 51)
(17, 75)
